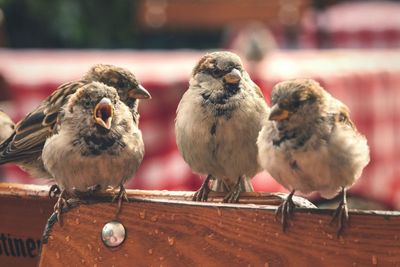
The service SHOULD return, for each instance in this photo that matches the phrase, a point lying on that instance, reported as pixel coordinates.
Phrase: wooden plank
(24, 212)
(181, 233)
(165, 229)
(25, 209)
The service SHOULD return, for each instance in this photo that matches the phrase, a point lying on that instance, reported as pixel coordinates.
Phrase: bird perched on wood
(217, 123)
(95, 142)
(310, 144)
(6, 126)
(24, 146)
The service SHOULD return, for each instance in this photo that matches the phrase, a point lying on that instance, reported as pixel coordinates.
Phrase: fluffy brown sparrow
(217, 123)
(310, 144)
(6, 126)
(24, 146)
(95, 142)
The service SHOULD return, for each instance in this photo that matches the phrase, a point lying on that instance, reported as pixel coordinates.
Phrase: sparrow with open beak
(24, 146)
(103, 113)
(217, 123)
(95, 142)
(310, 144)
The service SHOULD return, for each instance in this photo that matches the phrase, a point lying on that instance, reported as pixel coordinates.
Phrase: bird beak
(233, 77)
(139, 93)
(103, 113)
(278, 114)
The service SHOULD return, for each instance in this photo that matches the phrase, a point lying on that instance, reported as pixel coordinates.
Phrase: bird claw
(234, 194)
(286, 209)
(60, 205)
(202, 193)
(341, 215)
(120, 196)
(54, 191)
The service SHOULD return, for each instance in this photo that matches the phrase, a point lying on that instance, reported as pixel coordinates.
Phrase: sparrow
(217, 123)
(95, 142)
(6, 126)
(24, 146)
(310, 144)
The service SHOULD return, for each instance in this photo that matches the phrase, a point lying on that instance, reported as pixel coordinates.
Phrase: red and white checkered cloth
(360, 24)
(367, 81)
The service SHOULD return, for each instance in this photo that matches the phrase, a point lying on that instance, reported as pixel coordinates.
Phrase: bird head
(294, 101)
(126, 84)
(94, 103)
(220, 70)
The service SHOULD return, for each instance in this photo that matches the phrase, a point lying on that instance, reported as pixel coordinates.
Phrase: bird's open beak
(103, 113)
(278, 114)
(233, 77)
(139, 93)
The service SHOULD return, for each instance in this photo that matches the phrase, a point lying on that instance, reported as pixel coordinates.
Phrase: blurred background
(351, 47)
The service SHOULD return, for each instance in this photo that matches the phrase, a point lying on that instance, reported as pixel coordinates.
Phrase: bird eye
(121, 84)
(87, 103)
(296, 103)
(216, 72)
(238, 67)
(284, 104)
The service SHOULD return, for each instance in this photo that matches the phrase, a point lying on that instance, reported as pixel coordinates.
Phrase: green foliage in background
(69, 23)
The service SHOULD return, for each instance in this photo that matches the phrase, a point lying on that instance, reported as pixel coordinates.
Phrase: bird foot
(120, 197)
(286, 209)
(202, 193)
(341, 215)
(232, 197)
(234, 194)
(60, 205)
(54, 191)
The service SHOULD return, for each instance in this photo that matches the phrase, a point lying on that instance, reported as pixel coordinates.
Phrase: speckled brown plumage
(217, 124)
(310, 144)
(24, 146)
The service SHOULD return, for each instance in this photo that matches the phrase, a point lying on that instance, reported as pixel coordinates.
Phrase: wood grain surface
(165, 229)
(25, 209)
(24, 212)
(181, 233)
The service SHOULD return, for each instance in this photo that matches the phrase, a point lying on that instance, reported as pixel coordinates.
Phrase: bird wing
(31, 133)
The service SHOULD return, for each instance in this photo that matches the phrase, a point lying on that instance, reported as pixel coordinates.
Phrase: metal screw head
(113, 234)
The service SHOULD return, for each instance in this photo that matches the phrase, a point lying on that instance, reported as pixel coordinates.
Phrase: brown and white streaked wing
(31, 133)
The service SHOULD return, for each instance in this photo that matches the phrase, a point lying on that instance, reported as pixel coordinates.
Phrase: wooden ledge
(261, 198)
(164, 228)
(181, 233)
